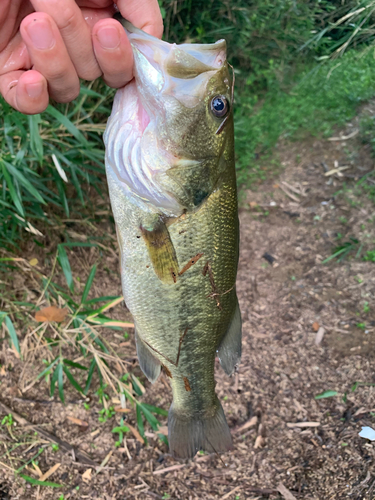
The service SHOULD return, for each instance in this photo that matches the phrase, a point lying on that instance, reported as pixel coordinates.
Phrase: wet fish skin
(174, 199)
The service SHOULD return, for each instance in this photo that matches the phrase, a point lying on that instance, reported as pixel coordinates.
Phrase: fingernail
(40, 32)
(109, 37)
(34, 90)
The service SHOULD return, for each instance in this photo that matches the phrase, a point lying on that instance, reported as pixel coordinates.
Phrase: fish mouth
(166, 70)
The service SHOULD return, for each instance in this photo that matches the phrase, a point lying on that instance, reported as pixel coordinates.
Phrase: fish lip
(164, 70)
(132, 30)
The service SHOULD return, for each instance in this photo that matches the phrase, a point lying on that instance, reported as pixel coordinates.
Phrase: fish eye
(219, 106)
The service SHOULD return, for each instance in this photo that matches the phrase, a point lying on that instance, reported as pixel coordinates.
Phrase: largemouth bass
(171, 176)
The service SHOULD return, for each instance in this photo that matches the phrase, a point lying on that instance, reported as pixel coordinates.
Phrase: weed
(120, 430)
(326, 394)
(342, 251)
(41, 153)
(8, 420)
(366, 307)
(55, 447)
(369, 256)
(362, 326)
(106, 413)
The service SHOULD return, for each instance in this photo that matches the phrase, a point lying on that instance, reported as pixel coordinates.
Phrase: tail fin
(189, 434)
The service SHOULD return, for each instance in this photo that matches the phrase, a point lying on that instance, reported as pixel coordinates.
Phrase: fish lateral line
(174, 363)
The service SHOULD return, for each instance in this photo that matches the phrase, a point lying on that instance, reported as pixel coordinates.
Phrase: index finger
(144, 14)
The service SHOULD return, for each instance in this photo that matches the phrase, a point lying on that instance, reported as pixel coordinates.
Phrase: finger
(49, 56)
(75, 32)
(92, 16)
(144, 14)
(25, 91)
(113, 52)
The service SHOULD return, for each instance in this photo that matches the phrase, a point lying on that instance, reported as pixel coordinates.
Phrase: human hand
(47, 45)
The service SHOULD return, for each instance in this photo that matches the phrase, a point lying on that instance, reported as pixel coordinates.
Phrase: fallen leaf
(250, 423)
(119, 409)
(136, 434)
(302, 424)
(285, 492)
(86, 476)
(49, 473)
(169, 469)
(163, 429)
(315, 326)
(253, 204)
(230, 493)
(51, 313)
(37, 470)
(3, 371)
(258, 442)
(33, 262)
(78, 421)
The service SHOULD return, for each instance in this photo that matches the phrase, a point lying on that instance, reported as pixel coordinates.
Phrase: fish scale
(179, 258)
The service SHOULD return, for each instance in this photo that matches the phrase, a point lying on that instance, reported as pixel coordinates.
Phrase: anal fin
(149, 364)
(229, 351)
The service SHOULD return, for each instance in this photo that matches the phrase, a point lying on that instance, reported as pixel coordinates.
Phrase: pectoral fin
(162, 253)
(149, 364)
(229, 351)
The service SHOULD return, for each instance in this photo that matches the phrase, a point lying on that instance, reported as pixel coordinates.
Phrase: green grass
(32, 191)
(322, 98)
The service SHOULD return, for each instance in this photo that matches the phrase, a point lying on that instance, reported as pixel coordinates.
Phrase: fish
(171, 176)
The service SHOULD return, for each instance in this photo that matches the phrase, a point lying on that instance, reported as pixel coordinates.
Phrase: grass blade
(72, 380)
(12, 333)
(149, 417)
(326, 394)
(54, 378)
(68, 125)
(36, 142)
(14, 196)
(31, 480)
(61, 382)
(89, 377)
(140, 425)
(89, 282)
(73, 364)
(65, 265)
(46, 370)
(155, 409)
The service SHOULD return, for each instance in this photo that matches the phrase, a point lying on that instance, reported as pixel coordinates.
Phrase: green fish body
(171, 176)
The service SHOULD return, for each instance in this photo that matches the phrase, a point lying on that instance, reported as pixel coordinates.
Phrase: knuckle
(89, 73)
(67, 20)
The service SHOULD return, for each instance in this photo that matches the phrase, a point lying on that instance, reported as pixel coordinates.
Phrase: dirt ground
(308, 328)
